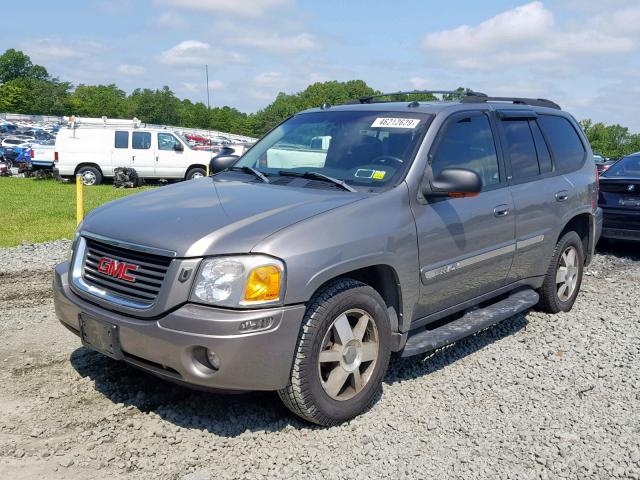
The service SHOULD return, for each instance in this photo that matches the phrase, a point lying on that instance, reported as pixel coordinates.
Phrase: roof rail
(534, 102)
(370, 98)
(77, 122)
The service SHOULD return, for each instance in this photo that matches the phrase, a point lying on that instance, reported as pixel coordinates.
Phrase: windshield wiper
(252, 171)
(318, 176)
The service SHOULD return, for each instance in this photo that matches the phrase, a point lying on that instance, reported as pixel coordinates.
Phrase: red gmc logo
(116, 269)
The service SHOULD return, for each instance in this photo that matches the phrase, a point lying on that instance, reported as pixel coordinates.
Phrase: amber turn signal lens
(263, 284)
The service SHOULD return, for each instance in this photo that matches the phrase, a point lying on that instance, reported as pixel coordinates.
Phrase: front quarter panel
(379, 230)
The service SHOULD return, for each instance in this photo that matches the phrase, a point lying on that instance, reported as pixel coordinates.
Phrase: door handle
(157, 158)
(133, 158)
(562, 196)
(501, 211)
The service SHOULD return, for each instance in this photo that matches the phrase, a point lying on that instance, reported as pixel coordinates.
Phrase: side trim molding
(467, 262)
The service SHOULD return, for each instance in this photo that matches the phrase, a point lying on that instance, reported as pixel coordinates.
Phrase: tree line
(30, 89)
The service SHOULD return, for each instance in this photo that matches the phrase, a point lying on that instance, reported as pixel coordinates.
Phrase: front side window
(141, 140)
(166, 141)
(359, 147)
(520, 148)
(122, 139)
(568, 151)
(468, 143)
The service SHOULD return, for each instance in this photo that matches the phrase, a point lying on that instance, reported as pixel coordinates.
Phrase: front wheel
(196, 172)
(342, 354)
(564, 276)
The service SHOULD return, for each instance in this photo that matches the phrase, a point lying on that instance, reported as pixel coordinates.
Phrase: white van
(94, 147)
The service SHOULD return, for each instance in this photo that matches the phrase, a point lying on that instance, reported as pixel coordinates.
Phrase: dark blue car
(620, 199)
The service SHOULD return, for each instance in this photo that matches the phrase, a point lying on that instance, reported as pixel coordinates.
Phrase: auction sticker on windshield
(395, 122)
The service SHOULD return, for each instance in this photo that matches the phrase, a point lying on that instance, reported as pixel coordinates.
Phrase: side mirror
(454, 182)
(178, 147)
(222, 162)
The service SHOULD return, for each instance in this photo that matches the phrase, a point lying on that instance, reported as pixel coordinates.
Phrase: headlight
(74, 242)
(244, 280)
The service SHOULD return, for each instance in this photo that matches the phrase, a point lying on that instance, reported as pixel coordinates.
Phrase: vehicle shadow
(619, 248)
(229, 415)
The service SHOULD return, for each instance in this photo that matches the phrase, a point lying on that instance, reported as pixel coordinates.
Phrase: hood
(210, 216)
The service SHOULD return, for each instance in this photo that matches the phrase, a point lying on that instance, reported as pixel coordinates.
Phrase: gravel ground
(537, 396)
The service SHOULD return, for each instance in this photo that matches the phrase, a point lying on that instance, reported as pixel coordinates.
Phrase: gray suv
(345, 234)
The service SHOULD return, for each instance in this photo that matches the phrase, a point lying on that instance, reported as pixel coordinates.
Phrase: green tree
(612, 141)
(99, 100)
(15, 64)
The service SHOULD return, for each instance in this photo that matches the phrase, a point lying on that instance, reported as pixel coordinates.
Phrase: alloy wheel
(567, 273)
(349, 354)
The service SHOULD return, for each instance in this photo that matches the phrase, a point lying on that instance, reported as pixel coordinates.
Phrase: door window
(141, 140)
(521, 149)
(166, 141)
(122, 139)
(468, 143)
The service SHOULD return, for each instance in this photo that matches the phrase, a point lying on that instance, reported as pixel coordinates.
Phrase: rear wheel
(564, 277)
(90, 176)
(342, 354)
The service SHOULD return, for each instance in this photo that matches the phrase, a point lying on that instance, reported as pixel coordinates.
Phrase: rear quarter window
(565, 144)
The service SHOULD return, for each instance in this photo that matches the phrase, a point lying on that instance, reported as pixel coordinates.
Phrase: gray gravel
(537, 396)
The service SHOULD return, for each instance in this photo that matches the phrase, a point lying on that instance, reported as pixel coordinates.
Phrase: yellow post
(79, 200)
(207, 170)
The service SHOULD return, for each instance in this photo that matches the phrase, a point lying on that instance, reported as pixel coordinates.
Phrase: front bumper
(167, 346)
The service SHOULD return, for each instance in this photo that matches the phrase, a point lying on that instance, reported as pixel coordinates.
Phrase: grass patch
(38, 210)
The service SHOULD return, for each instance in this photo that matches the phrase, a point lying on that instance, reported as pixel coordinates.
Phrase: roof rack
(370, 98)
(78, 122)
(534, 102)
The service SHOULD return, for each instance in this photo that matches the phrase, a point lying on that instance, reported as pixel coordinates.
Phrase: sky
(583, 54)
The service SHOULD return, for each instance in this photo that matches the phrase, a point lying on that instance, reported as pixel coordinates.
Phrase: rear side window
(468, 143)
(141, 140)
(521, 149)
(122, 139)
(564, 142)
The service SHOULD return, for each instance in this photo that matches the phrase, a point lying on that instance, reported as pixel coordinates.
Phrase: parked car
(602, 163)
(13, 141)
(93, 148)
(300, 269)
(620, 199)
(42, 156)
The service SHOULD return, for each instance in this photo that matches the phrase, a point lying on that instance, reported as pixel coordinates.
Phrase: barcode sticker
(395, 123)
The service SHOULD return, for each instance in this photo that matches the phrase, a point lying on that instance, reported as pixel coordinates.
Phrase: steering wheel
(382, 159)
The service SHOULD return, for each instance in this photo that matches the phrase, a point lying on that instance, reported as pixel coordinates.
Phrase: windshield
(625, 167)
(361, 148)
(184, 140)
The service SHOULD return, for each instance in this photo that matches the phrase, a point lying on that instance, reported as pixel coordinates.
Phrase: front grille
(148, 277)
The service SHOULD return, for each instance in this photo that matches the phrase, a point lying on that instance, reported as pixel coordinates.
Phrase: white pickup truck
(42, 156)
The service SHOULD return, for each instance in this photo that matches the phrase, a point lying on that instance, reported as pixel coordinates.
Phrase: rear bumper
(168, 346)
(621, 224)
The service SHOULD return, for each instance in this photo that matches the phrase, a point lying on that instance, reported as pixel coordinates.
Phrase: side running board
(470, 323)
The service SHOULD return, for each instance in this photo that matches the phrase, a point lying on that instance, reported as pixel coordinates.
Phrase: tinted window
(166, 141)
(565, 144)
(468, 143)
(544, 157)
(141, 140)
(122, 139)
(625, 167)
(521, 149)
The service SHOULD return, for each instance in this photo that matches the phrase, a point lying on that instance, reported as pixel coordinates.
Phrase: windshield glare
(366, 148)
(625, 167)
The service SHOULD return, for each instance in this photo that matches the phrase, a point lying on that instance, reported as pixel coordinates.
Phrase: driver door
(169, 162)
(466, 245)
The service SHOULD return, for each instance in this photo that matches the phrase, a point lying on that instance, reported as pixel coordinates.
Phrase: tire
(553, 298)
(196, 172)
(90, 176)
(314, 391)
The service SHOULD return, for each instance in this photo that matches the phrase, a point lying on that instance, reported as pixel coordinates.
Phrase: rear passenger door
(143, 154)
(121, 153)
(541, 194)
(466, 245)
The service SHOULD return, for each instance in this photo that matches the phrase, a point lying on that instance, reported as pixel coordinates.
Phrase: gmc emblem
(116, 269)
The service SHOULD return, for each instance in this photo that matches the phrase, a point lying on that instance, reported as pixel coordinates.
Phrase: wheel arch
(88, 164)
(192, 166)
(583, 225)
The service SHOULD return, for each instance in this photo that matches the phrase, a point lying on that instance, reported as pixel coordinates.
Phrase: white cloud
(195, 87)
(235, 7)
(273, 42)
(131, 70)
(522, 23)
(526, 35)
(269, 79)
(196, 53)
(170, 20)
(47, 49)
(418, 83)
